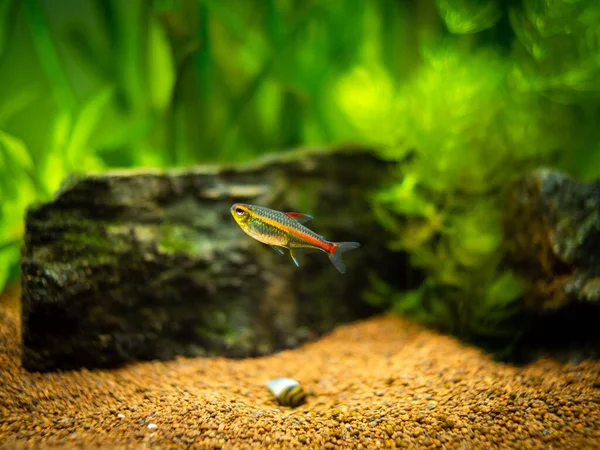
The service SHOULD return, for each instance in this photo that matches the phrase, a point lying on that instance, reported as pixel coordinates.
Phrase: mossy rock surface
(149, 264)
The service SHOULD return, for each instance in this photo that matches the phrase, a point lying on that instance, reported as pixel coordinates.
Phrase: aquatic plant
(17, 188)
(557, 55)
(471, 118)
(469, 16)
(467, 135)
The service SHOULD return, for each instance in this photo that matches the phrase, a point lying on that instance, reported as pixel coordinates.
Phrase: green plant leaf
(474, 234)
(367, 97)
(47, 53)
(6, 7)
(54, 167)
(408, 302)
(505, 289)
(9, 257)
(17, 102)
(440, 308)
(16, 150)
(380, 294)
(469, 16)
(161, 68)
(14, 202)
(84, 125)
(559, 55)
(406, 199)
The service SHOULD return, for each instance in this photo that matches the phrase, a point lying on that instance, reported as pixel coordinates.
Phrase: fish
(287, 391)
(286, 230)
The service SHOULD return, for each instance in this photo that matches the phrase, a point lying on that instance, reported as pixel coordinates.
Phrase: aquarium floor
(383, 382)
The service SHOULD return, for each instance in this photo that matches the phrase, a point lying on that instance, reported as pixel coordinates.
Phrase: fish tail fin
(336, 255)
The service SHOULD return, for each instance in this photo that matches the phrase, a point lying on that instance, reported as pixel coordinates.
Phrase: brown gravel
(383, 382)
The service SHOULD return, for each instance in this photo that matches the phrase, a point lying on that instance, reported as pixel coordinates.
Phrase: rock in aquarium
(553, 238)
(148, 264)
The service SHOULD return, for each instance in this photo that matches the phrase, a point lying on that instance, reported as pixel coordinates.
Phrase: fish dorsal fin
(302, 218)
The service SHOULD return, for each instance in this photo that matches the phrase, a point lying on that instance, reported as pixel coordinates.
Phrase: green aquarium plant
(471, 118)
(557, 55)
(469, 16)
(460, 131)
(17, 189)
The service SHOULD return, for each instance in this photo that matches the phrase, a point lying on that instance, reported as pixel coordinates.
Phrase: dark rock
(553, 238)
(150, 264)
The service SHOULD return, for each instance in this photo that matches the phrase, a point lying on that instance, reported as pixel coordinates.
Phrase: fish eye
(240, 211)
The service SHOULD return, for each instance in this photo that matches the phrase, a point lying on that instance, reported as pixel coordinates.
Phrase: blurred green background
(476, 91)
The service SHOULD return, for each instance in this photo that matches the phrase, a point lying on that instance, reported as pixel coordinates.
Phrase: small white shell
(287, 391)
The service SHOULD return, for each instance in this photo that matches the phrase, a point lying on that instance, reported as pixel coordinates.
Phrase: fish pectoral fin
(299, 217)
(292, 254)
(278, 250)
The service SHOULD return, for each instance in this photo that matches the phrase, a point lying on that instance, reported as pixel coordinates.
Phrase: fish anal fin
(302, 218)
(294, 258)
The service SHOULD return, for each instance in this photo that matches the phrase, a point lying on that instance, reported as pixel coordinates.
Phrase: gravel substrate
(383, 382)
